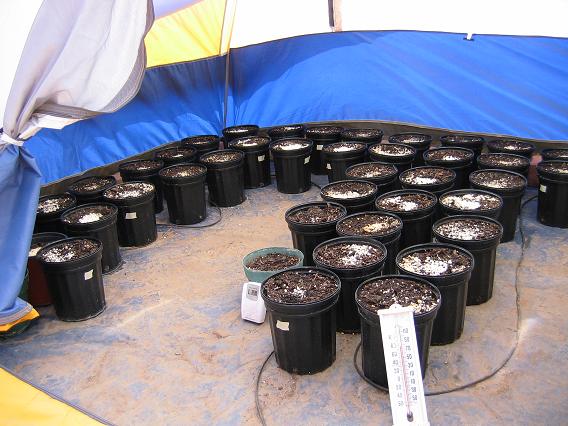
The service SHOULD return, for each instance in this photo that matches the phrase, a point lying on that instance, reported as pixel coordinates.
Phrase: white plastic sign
(88, 275)
(307, 160)
(260, 158)
(130, 215)
(319, 147)
(252, 305)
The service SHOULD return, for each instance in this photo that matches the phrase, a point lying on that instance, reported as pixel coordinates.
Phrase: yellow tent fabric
(23, 404)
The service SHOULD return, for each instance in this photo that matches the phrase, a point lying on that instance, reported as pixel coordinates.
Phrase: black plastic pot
(321, 136)
(90, 189)
(385, 182)
(145, 171)
(136, 221)
(487, 161)
(372, 351)
(292, 166)
(307, 236)
(417, 224)
(51, 221)
(225, 179)
(367, 136)
(176, 155)
(235, 132)
(419, 141)
(337, 162)
(103, 230)
(560, 154)
(38, 292)
(511, 202)
(303, 335)
(435, 188)
(362, 203)
(480, 285)
(76, 286)
(185, 195)
(256, 161)
(390, 239)
(402, 162)
(203, 144)
(347, 316)
(552, 195)
(448, 325)
(524, 149)
(286, 131)
(452, 211)
(462, 167)
(475, 143)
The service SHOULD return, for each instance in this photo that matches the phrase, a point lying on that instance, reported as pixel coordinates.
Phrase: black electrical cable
(257, 392)
(315, 184)
(207, 225)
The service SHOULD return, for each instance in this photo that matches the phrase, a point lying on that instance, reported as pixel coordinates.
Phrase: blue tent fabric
(19, 193)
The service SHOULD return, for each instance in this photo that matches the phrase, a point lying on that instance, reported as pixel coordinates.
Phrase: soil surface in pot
(126, 190)
(382, 293)
(463, 139)
(237, 130)
(323, 132)
(511, 145)
(391, 150)
(448, 154)
(411, 139)
(498, 180)
(361, 133)
(54, 204)
(200, 140)
(142, 165)
(406, 202)
(290, 144)
(555, 167)
(346, 190)
(427, 176)
(497, 160)
(221, 157)
(174, 153)
(470, 201)
(69, 250)
(300, 287)
(435, 261)
(372, 170)
(316, 214)
(92, 184)
(250, 142)
(88, 214)
(349, 255)
(369, 224)
(286, 128)
(273, 262)
(344, 147)
(183, 171)
(466, 229)
(557, 153)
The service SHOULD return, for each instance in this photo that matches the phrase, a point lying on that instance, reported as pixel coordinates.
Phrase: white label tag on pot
(88, 275)
(261, 158)
(307, 160)
(328, 166)
(542, 188)
(283, 325)
(131, 215)
(319, 147)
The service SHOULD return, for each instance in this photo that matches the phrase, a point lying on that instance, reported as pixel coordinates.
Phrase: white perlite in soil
(402, 203)
(395, 151)
(345, 194)
(128, 190)
(453, 229)
(422, 180)
(429, 266)
(34, 251)
(377, 227)
(52, 205)
(91, 217)
(290, 146)
(467, 201)
(358, 253)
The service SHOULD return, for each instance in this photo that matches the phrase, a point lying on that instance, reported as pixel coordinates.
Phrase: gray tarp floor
(171, 347)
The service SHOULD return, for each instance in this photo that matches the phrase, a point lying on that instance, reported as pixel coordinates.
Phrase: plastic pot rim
(94, 191)
(455, 241)
(474, 190)
(428, 209)
(431, 186)
(552, 176)
(291, 152)
(397, 230)
(223, 164)
(140, 173)
(400, 158)
(449, 163)
(130, 201)
(502, 191)
(172, 180)
(58, 213)
(302, 206)
(352, 199)
(392, 175)
(422, 144)
(350, 239)
(105, 220)
(72, 262)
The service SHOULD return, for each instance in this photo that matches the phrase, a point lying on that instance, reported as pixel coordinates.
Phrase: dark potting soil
(69, 250)
(200, 140)
(316, 214)
(300, 287)
(273, 262)
(555, 167)
(95, 183)
(435, 261)
(349, 255)
(466, 229)
(236, 130)
(280, 130)
(142, 165)
(406, 202)
(88, 214)
(470, 201)
(391, 150)
(55, 204)
(369, 224)
(463, 139)
(221, 157)
(128, 190)
(427, 176)
(321, 132)
(182, 171)
(510, 145)
(448, 154)
(361, 133)
(410, 139)
(290, 144)
(174, 153)
(382, 293)
(254, 141)
(344, 147)
(497, 180)
(497, 160)
(372, 170)
(345, 190)
(557, 153)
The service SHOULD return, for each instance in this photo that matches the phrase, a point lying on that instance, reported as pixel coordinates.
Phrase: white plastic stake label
(283, 325)
(307, 160)
(130, 215)
(319, 147)
(88, 275)
(542, 188)
(260, 158)
(402, 361)
(328, 166)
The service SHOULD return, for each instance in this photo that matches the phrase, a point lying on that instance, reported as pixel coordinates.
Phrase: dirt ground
(171, 347)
